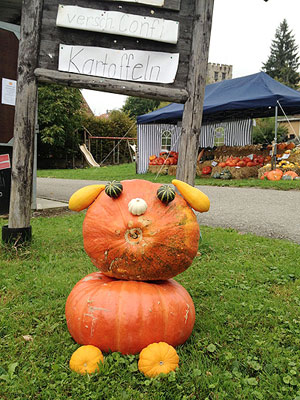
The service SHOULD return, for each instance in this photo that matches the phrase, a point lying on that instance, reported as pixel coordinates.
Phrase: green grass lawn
(128, 171)
(245, 343)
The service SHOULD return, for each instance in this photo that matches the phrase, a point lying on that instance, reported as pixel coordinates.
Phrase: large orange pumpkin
(158, 244)
(127, 316)
(274, 175)
(293, 174)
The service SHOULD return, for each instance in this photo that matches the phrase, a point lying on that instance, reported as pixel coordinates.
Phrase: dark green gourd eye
(166, 194)
(113, 189)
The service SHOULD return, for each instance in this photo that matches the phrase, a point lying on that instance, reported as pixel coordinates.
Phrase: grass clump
(245, 343)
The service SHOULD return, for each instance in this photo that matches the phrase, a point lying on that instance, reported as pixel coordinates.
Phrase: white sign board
(128, 65)
(158, 3)
(118, 23)
(9, 88)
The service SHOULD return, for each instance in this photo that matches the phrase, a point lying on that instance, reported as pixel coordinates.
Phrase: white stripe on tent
(236, 133)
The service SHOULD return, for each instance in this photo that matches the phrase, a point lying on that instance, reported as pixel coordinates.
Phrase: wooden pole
(112, 85)
(24, 124)
(192, 115)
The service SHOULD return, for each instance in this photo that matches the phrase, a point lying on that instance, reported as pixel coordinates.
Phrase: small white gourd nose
(137, 206)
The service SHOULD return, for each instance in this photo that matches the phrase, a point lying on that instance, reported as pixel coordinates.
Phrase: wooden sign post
(148, 48)
(19, 229)
(193, 108)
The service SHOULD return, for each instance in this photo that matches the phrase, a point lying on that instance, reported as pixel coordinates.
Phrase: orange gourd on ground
(86, 359)
(264, 176)
(158, 244)
(274, 175)
(127, 316)
(293, 174)
(158, 358)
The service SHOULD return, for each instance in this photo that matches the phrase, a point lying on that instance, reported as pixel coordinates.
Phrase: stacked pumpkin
(165, 158)
(139, 235)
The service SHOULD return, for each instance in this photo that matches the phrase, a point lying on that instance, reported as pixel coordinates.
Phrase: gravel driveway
(270, 213)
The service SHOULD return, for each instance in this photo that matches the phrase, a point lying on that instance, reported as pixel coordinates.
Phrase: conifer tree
(283, 61)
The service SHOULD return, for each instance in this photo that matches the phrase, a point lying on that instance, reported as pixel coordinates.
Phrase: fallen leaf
(27, 338)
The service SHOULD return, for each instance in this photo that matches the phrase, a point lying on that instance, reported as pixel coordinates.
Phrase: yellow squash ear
(84, 197)
(196, 199)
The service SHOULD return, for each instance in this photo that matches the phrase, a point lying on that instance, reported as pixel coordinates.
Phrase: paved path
(270, 213)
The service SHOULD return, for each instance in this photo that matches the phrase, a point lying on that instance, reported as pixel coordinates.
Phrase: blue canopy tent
(233, 103)
(252, 96)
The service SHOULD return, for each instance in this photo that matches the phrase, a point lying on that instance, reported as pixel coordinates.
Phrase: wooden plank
(25, 117)
(125, 65)
(192, 115)
(168, 4)
(112, 85)
(118, 23)
(52, 36)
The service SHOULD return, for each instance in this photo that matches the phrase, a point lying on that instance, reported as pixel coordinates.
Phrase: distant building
(218, 72)
(104, 116)
(85, 107)
(293, 126)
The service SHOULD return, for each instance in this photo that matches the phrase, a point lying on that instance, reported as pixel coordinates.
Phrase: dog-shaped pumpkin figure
(139, 230)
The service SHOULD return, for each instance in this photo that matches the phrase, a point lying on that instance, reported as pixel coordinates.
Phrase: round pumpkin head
(274, 175)
(137, 236)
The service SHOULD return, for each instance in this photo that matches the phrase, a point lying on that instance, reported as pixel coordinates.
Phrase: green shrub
(264, 131)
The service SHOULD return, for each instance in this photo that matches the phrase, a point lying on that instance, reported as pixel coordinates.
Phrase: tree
(264, 131)
(59, 116)
(283, 61)
(136, 106)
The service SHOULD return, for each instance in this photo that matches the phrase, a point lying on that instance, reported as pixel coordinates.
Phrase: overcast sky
(242, 32)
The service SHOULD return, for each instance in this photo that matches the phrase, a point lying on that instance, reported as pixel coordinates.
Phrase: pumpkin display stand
(163, 169)
(139, 235)
(267, 168)
(172, 170)
(239, 173)
(200, 166)
(223, 152)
